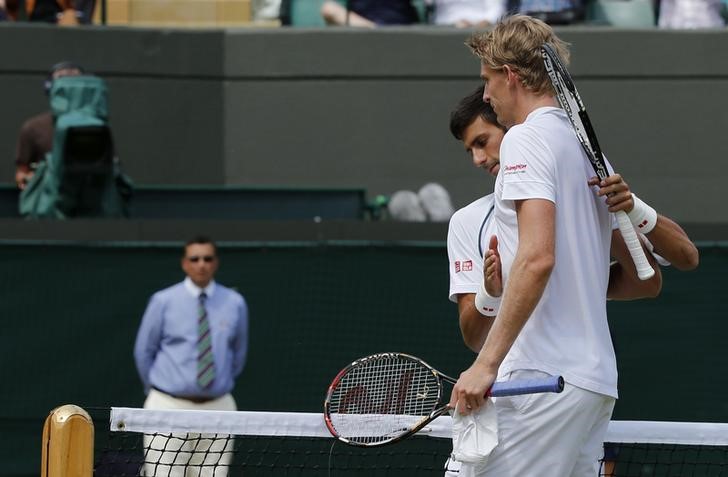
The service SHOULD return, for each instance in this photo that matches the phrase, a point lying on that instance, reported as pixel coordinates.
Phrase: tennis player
(472, 233)
(554, 250)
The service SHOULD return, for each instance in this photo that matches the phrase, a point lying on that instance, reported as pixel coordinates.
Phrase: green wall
(71, 314)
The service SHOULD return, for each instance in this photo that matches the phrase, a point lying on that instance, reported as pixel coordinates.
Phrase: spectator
(369, 13)
(553, 12)
(691, 14)
(468, 13)
(36, 134)
(63, 12)
(190, 348)
(266, 10)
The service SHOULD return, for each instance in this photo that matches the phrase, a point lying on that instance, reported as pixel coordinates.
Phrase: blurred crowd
(677, 14)
(63, 12)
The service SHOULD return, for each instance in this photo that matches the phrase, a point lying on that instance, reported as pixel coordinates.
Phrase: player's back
(567, 333)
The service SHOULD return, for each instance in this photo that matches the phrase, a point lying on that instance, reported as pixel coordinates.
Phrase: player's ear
(511, 75)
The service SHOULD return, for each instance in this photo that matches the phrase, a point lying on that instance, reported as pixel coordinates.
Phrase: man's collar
(541, 110)
(195, 290)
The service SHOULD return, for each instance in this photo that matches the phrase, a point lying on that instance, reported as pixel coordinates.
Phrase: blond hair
(516, 41)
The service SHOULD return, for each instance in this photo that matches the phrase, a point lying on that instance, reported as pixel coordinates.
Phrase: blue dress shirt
(166, 345)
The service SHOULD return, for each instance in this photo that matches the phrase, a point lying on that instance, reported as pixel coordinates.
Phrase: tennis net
(134, 442)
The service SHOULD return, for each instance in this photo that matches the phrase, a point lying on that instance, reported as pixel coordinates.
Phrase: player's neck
(529, 103)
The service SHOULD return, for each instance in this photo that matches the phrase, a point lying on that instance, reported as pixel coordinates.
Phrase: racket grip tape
(644, 270)
(551, 384)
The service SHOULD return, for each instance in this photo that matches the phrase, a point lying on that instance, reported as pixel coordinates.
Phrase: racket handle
(644, 270)
(551, 384)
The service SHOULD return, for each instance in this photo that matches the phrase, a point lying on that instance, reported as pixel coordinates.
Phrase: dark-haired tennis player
(554, 246)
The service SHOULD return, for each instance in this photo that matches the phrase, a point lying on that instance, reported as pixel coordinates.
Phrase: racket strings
(382, 398)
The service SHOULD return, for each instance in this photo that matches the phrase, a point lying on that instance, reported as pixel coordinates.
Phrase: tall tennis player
(471, 236)
(554, 248)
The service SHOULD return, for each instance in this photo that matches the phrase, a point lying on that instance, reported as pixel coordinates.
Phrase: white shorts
(545, 434)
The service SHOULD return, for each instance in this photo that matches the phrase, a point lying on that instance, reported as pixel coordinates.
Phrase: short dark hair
(468, 109)
(199, 239)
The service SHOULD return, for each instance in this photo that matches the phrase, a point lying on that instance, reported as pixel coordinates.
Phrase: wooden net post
(68, 443)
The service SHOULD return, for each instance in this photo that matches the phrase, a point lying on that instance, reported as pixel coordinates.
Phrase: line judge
(190, 348)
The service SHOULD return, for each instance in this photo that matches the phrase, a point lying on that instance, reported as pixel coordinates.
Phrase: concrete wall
(370, 109)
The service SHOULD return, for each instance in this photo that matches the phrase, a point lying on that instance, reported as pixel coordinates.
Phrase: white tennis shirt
(567, 333)
(468, 235)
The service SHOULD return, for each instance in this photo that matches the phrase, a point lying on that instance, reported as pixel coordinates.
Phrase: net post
(68, 443)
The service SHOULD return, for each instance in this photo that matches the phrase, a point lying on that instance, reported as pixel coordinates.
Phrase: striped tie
(205, 360)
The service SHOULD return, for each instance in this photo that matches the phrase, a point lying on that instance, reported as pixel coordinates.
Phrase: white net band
(299, 424)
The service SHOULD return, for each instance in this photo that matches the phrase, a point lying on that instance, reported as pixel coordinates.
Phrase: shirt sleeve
(464, 259)
(527, 166)
(148, 339)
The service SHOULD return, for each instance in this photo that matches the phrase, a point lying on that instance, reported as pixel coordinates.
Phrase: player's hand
(617, 192)
(492, 269)
(469, 393)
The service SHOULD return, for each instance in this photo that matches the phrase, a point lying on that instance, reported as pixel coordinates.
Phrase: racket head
(382, 398)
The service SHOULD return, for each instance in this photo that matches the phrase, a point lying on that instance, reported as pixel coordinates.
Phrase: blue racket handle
(552, 384)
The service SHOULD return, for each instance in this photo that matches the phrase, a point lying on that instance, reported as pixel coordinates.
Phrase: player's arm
(668, 239)
(478, 310)
(465, 281)
(672, 243)
(624, 284)
(531, 269)
(473, 326)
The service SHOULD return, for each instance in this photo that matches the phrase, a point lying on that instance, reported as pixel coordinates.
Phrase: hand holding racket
(570, 101)
(386, 397)
(617, 192)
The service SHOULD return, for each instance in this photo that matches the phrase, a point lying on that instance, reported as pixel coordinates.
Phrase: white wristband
(642, 216)
(486, 304)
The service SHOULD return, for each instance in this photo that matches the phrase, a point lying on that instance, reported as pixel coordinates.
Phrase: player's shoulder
(473, 213)
(477, 206)
(519, 135)
(533, 139)
(537, 121)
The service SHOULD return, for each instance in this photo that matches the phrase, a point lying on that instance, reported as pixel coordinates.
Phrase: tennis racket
(386, 397)
(571, 102)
